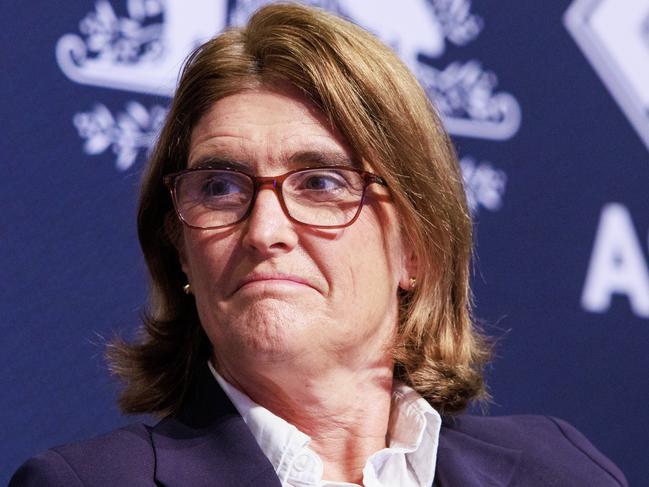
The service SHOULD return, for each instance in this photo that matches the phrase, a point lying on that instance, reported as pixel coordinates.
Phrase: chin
(271, 329)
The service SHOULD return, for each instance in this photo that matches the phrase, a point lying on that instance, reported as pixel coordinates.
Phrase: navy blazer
(208, 444)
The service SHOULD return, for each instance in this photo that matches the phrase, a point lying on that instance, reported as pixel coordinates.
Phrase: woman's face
(269, 290)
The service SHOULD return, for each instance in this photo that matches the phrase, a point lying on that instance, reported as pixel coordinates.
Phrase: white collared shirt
(409, 460)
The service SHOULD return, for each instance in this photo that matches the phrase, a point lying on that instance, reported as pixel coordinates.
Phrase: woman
(308, 240)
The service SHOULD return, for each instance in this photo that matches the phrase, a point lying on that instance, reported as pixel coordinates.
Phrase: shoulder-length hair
(377, 105)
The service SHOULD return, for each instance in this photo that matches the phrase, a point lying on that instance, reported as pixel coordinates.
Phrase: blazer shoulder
(122, 455)
(550, 447)
(46, 469)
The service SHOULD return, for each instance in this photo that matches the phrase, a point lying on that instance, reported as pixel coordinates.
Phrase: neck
(345, 410)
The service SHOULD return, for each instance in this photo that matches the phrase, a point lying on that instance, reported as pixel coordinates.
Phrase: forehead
(262, 128)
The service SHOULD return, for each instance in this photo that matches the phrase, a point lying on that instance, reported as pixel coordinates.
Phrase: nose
(268, 231)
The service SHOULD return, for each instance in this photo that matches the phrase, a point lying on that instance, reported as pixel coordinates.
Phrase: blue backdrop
(548, 104)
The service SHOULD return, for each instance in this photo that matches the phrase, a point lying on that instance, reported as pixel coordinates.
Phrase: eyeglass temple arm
(373, 178)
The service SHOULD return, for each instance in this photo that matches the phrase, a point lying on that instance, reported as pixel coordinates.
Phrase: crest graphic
(614, 37)
(419, 31)
(484, 185)
(128, 133)
(143, 51)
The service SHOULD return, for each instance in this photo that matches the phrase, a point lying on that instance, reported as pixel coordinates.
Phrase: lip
(277, 277)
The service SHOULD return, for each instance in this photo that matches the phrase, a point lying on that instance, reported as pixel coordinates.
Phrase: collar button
(302, 462)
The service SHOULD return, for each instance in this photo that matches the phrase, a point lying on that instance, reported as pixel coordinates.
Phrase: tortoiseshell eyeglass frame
(275, 182)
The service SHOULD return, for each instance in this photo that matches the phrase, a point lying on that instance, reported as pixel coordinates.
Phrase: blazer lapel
(470, 462)
(209, 444)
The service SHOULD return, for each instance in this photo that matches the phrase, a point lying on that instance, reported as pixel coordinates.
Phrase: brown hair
(379, 108)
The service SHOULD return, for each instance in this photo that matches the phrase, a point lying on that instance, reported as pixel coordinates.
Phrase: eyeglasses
(323, 197)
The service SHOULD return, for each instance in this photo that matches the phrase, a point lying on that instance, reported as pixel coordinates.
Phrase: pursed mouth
(286, 279)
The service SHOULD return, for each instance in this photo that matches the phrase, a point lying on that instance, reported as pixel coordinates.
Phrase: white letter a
(616, 265)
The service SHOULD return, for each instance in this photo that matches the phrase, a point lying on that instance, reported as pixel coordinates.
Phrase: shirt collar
(409, 459)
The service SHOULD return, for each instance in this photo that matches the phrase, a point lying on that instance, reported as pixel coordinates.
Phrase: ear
(175, 234)
(182, 258)
(409, 267)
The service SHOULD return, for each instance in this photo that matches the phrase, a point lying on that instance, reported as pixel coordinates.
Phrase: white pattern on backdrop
(143, 49)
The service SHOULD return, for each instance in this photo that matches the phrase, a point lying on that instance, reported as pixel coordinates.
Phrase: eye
(323, 182)
(221, 185)
(219, 189)
(324, 186)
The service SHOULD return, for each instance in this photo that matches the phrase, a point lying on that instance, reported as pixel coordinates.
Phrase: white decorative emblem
(418, 30)
(143, 51)
(128, 133)
(614, 36)
(484, 185)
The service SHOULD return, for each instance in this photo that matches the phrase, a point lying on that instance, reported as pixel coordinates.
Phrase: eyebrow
(219, 162)
(320, 158)
(311, 158)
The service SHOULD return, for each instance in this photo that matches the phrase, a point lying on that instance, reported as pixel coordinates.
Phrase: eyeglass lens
(212, 198)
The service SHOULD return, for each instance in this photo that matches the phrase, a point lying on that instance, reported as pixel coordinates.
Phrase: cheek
(207, 259)
(369, 259)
